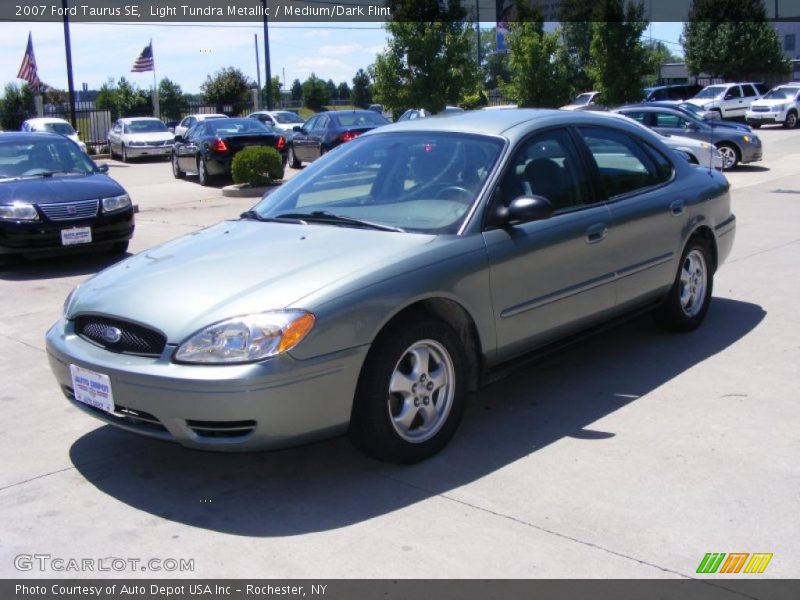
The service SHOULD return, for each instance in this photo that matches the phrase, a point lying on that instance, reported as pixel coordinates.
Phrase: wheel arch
(704, 232)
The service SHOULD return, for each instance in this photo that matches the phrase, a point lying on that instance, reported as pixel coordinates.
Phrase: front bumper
(751, 152)
(765, 117)
(44, 236)
(140, 151)
(272, 404)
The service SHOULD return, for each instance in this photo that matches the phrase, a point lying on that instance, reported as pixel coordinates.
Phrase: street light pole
(68, 51)
(267, 70)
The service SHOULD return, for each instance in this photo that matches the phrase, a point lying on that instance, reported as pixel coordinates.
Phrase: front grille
(759, 108)
(67, 211)
(222, 429)
(133, 338)
(129, 416)
(152, 144)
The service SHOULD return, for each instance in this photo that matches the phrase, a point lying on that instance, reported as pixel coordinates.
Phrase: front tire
(754, 124)
(124, 154)
(119, 248)
(110, 149)
(176, 170)
(730, 155)
(411, 394)
(687, 301)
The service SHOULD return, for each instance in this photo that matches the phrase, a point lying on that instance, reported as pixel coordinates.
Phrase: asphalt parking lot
(632, 455)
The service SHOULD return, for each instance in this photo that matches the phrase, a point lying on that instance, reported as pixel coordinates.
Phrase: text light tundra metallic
(372, 291)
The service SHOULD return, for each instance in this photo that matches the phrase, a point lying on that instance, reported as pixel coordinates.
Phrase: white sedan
(53, 125)
(134, 137)
(190, 121)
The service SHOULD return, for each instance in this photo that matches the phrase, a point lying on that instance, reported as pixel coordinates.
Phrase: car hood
(69, 188)
(771, 102)
(154, 136)
(701, 102)
(235, 268)
(720, 124)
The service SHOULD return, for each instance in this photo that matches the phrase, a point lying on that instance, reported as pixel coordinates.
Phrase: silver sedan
(371, 292)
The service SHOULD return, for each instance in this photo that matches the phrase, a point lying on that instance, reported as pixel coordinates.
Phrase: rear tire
(686, 304)
(202, 172)
(293, 160)
(411, 393)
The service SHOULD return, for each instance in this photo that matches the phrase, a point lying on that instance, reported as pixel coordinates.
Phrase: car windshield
(417, 181)
(149, 126)
(711, 91)
(42, 158)
(234, 126)
(360, 119)
(59, 128)
(781, 93)
(287, 117)
(582, 99)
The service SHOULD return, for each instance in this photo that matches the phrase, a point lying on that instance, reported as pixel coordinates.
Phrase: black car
(55, 198)
(682, 91)
(326, 130)
(209, 146)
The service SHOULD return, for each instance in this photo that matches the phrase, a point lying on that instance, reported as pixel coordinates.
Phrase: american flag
(145, 60)
(27, 70)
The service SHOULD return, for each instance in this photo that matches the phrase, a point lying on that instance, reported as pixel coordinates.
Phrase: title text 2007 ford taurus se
(372, 291)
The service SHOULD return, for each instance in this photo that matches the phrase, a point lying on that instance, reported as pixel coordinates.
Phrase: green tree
(537, 75)
(333, 91)
(315, 93)
(228, 86)
(361, 94)
(731, 39)
(277, 86)
(343, 91)
(576, 18)
(171, 99)
(297, 90)
(658, 54)
(124, 100)
(429, 61)
(618, 59)
(16, 105)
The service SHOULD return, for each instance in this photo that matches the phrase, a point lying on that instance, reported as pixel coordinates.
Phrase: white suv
(728, 99)
(779, 105)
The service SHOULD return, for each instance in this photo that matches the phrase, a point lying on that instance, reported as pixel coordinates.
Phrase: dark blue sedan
(326, 130)
(55, 198)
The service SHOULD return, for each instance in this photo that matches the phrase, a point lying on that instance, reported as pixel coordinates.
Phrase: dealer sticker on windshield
(92, 388)
(76, 235)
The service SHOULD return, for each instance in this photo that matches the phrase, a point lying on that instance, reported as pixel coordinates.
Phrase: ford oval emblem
(111, 335)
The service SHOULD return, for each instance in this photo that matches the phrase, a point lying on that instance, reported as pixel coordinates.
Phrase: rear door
(186, 151)
(301, 140)
(552, 276)
(317, 135)
(648, 211)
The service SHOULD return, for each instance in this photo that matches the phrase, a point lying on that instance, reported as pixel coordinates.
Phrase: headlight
(19, 211)
(247, 339)
(779, 108)
(746, 138)
(116, 203)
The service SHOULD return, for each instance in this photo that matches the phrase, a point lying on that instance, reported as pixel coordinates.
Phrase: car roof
(502, 122)
(23, 136)
(207, 115)
(131, 119)
(47, 120)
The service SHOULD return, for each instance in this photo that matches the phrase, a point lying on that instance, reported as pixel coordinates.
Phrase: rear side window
(670, 120)
(625, 166)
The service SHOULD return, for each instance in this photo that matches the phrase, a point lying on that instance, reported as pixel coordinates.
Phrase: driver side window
(547, 165)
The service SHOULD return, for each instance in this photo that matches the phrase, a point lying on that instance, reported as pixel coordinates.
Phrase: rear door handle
(596, 233)
(676, 208)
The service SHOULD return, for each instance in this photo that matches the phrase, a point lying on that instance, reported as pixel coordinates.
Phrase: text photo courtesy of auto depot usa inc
(456, 299)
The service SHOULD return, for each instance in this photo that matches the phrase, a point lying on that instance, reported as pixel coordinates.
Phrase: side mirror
(77, 132)
(523, 209)
(728, 96)
(178, 138)
(298, 128)
(103, 168)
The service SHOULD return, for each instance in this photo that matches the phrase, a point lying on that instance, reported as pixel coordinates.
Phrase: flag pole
(156, 107)
(68, 51)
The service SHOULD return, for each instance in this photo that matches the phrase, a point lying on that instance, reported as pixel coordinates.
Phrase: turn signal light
(219, 146)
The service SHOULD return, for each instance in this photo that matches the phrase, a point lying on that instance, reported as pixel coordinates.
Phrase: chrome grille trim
(68, 211)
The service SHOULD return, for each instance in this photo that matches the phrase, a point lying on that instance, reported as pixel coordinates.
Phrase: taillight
(219, 146)
(281, 143)
(348, 135)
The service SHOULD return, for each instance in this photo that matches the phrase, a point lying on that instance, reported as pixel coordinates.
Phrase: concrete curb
(244, 190)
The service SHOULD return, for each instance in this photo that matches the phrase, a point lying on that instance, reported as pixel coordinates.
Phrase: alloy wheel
(694, 281)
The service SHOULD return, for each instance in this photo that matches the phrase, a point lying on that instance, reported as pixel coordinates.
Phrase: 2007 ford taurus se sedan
(376, 288)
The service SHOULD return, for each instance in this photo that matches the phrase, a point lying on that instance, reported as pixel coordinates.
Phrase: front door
(552, 276)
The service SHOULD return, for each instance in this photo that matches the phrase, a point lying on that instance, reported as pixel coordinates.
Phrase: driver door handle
(676, 208)
(596, 233)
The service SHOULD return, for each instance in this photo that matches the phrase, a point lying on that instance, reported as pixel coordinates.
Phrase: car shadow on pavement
(63, 265)
(329, 485)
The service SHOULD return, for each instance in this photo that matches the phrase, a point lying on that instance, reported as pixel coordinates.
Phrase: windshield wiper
(253, 215)
(323, 216)
(48, 174)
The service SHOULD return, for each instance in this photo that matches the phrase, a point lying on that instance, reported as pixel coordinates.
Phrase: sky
(187, 53)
